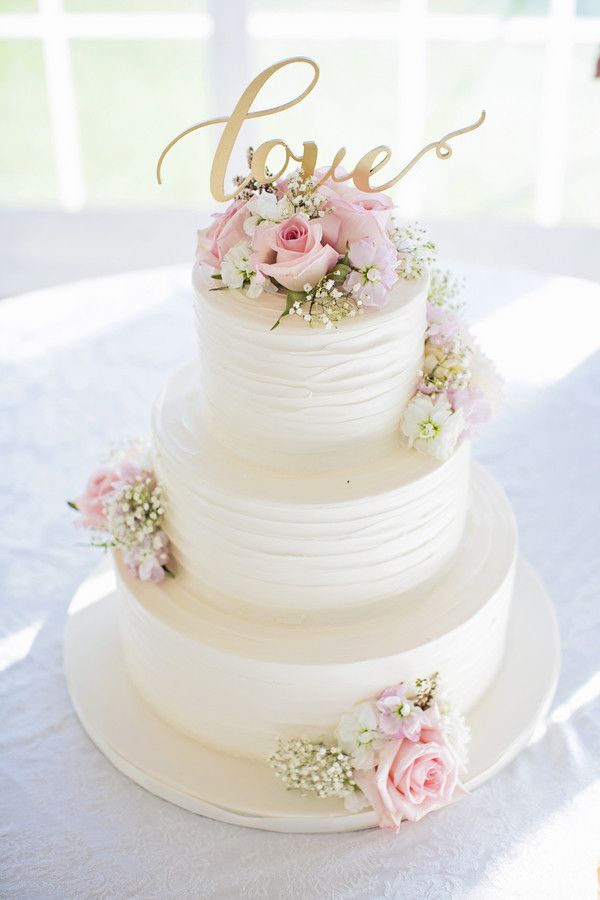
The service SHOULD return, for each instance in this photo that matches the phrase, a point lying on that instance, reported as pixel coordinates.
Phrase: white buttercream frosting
(238, 684)
(272, 395)
(344, 532)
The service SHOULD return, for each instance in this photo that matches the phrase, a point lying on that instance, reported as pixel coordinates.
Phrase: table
(81, 365)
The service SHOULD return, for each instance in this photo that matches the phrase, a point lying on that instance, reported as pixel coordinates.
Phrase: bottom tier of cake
(239, 684)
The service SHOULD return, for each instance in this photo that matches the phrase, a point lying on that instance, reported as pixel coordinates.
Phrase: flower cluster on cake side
(459, 387)
(403, 753)
(123, 505)
(329, 248)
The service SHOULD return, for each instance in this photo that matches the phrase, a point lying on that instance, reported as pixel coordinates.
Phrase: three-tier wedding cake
(311, 570)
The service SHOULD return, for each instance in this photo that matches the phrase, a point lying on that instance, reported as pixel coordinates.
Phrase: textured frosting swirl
(238, 684)
(287, 542)
(299, 390)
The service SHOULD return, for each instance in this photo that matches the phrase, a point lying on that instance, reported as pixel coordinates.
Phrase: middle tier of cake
(285, 544)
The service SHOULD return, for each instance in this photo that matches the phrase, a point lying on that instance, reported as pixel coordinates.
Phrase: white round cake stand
(245, 792)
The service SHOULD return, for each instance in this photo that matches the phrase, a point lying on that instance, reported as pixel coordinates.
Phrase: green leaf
(73, 505)
(340, 272)
(292, 297)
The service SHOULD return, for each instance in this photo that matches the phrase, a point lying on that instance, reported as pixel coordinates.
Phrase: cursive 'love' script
(368, 166)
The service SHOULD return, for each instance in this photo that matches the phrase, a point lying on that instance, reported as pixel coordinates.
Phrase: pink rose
(360, 215)
(300, 256)
(226, 231)
(413, 778)
(102, 482)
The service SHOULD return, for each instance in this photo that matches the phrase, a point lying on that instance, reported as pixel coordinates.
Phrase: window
(93, 89)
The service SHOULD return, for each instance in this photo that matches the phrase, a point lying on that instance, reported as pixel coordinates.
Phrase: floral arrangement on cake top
(459, 388)
(330, 248)
(403, 753)
(123, 505)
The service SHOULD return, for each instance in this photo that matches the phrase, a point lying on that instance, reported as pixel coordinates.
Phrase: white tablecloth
(81, 366)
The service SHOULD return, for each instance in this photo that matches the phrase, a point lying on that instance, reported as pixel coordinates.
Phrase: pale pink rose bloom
(128, 473)
(226, 231)
(262, 243)
(331, 229)
(411, 779)
(359, 213)
(346, 191)
(300, 256)
(101, 484)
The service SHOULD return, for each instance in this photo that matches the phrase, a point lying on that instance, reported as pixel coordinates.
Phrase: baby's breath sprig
(313, 768)
(253, 187)
(426, 690)
(444, 289)
(304, 198)
(415, 252)
(325, 304)
(446, 367)
(136, 511)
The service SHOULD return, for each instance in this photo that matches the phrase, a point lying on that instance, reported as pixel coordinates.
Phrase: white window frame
(230, 25)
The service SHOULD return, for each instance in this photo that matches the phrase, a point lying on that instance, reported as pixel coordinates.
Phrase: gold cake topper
(369, 164)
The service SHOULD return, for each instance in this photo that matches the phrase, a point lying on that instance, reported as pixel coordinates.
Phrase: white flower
(237, 270)
(486, 378)
(357, 734)
(356, 801)
(455, 728)
(265, 207)
(431, 426)
(236, 267)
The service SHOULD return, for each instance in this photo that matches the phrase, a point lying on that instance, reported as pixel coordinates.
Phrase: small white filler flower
(357, 733)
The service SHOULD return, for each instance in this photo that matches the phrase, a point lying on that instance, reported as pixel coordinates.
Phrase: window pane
(491, 172)
(9, 6)
(496, 7)
(135, 5)
(588, 8)
(340, 6)
(133, 97)
(582, 187)
(27, 172)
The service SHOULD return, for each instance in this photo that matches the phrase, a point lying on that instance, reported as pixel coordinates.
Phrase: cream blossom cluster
(123, 503)
(459, 388)
(293, 237)
(403, 753)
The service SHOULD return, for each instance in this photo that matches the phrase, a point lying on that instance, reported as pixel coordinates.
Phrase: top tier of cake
(279, 397)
